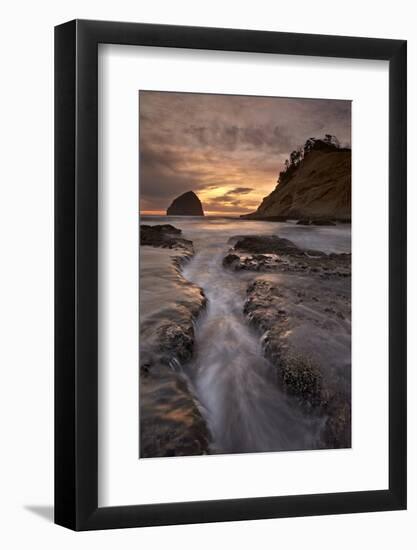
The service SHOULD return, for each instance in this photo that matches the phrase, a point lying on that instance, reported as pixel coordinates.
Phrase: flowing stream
(235, 384)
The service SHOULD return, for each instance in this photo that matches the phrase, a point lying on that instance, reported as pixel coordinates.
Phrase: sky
(228, 149)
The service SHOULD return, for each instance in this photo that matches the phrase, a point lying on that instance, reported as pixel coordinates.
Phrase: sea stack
(187, 204)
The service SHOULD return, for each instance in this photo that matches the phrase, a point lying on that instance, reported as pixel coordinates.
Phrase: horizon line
(206, 213)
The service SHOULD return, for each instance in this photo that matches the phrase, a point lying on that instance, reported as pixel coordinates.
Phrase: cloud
(238, 137)
(228, 149)
(231, 201)
(239, 191)
(218, 205)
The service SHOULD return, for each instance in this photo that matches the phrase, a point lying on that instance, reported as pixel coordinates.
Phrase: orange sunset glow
(228, 149)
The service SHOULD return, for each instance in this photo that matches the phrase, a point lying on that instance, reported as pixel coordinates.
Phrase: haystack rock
(187, 204)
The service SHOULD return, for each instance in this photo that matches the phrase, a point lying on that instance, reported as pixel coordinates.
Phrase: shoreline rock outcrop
(275, 254)
(299, 302)
(315, 186)
(167, 236)
(171, 423)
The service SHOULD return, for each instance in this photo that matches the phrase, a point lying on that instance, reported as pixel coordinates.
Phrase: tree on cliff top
(329, 143)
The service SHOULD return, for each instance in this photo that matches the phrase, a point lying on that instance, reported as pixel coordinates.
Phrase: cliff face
(187, 204)
(319, 187)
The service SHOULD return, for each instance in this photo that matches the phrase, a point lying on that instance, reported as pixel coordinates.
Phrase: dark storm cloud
(230, 137)
(163, 177)
(239, 191)
(228, 149)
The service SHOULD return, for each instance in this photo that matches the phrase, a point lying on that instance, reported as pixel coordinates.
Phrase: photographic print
(245, 274)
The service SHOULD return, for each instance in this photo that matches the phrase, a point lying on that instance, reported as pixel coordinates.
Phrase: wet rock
(307, 344)
(167, 338)
(165, 236)
(176, 339)
(337, 430)
(171, 423)
(230, 260)
(274, 254)
(301, 377)
(267, 244)
(298, 373)
(257, 262)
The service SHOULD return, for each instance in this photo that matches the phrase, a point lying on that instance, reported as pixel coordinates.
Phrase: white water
(244, 408)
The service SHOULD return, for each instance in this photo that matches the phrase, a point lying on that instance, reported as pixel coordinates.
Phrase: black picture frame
(76, 272)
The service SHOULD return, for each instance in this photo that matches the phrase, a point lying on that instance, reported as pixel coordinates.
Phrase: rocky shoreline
(275, 254)
(298, 302)
(171, 423)
(299, 219)
(300, 306)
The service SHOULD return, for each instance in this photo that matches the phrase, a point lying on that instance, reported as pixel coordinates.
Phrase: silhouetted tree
(309, 145)
(329, 139)
(296, 156)
(328, 144)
